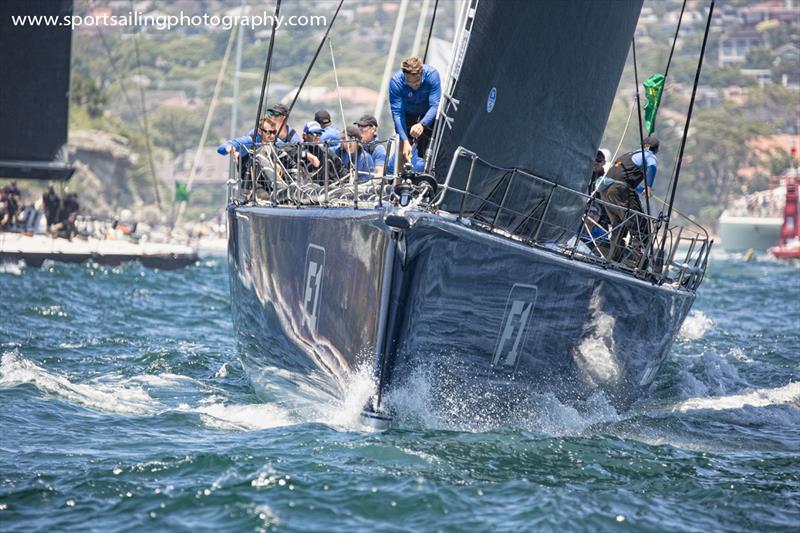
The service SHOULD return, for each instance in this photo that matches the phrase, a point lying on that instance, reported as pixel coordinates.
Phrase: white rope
(622, 139)
(338, 89)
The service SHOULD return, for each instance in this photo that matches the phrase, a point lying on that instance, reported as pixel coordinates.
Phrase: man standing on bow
(414, 93)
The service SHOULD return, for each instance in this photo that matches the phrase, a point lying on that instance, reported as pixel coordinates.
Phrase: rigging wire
(641, 130)
(148, 146)
(390, 58)
(674, 40)
(311, 65)
(666, 73)
(267, 68)
(207, 124)
(430, 31)
(686, 125)
(117, 75)
(423, 15)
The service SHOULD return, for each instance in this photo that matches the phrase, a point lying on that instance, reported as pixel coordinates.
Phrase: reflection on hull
(488, 321)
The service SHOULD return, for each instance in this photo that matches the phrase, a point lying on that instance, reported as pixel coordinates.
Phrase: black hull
(487, 320)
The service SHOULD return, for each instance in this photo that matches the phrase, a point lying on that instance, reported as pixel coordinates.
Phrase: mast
(390, 60)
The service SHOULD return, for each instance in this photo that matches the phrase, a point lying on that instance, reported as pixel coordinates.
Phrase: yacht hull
(485, 321)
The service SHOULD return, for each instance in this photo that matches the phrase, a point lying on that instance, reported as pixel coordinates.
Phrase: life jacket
(625, 170)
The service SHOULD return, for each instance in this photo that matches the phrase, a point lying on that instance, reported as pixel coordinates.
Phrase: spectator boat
(754, 221)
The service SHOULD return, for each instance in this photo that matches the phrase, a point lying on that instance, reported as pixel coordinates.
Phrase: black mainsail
(34, 101)
(534, 91)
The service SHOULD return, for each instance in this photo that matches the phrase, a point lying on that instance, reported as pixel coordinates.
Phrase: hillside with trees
(749, 89)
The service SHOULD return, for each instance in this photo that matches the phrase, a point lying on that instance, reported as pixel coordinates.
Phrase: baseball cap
(367, 120)
(652, 140)
(278, 110)
(352, 131)
(322, 116)
(312, 127)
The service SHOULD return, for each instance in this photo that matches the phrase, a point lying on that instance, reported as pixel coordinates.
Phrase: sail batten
(535, 89)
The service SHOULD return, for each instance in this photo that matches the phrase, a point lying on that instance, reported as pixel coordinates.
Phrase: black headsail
(34, 99)
(534, 92)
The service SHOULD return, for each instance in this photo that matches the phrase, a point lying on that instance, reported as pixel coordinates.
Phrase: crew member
(330, 133)
(353, 155)
(368, 129)
(619, 188)
(317, 155)
(280, 113)
(414, 93)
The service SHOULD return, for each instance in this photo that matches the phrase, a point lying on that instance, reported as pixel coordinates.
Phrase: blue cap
(313, 127)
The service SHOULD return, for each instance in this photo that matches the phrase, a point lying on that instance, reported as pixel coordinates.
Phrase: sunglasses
(269, 132)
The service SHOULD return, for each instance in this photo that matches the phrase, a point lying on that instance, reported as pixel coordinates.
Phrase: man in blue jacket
(414, 93)
(241, 145)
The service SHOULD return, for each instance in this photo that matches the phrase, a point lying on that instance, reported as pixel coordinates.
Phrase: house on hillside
(782, 10)
(735, 45)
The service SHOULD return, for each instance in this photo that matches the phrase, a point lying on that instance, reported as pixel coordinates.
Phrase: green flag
(181, 192)
(653, 87)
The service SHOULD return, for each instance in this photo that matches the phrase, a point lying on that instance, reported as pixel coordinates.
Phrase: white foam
(111, 397)
(788, 394)
(413, 404)
(243, 417)
(549, 415)
(223, 371)
(162, 381)
(15, 269)
(346, 413)
(695, 326)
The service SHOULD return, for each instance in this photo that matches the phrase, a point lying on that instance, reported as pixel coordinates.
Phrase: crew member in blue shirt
(330, 133)
(241, 145)
(620, 187)
(350, 151)
(414, 93)
(368, 128)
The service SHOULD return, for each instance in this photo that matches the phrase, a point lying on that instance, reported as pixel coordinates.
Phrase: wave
(111, 397)
(695, 326)
(242, 417)
(787, 394)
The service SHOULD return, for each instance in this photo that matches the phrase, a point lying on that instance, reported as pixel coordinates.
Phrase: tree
(86, 94)
(718, 149)
(175, 128)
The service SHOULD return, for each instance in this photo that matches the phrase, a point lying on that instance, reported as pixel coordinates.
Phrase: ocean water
(123, 407)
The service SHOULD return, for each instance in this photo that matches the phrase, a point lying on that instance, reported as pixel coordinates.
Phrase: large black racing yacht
(482, 273)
